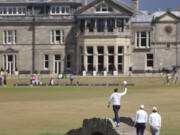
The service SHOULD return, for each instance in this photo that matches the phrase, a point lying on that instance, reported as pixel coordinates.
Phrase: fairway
(55, 110)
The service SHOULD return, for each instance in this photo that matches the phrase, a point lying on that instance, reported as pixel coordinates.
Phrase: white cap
(154, 108)
(142, 107)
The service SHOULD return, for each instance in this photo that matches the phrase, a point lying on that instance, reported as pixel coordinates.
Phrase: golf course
(54, 110)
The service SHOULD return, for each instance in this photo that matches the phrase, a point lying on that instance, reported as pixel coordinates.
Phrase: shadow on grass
(51, 134)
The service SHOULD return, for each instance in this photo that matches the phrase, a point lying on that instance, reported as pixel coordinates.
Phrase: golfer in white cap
(116, 97)
(155, 122)
(141, 119)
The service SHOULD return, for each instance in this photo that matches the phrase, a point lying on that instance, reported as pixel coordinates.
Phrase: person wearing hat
(116, 97)
(155, 122)
(140, 121)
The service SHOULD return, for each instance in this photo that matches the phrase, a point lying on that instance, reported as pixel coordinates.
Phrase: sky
(155, 5)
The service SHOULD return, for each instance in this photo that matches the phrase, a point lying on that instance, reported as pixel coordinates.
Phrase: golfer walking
(155, 122)
(116, 98)
(141, 119)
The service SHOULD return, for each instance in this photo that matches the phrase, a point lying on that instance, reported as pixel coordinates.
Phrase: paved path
(124, 129)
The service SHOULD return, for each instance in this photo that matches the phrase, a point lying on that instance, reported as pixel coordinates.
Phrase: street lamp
(33, 43)
(176, 54)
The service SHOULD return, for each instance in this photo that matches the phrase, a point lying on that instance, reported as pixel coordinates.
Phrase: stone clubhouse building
(68, 36)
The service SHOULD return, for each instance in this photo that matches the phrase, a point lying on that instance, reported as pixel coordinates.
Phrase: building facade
(38, 35)
(155, 41)
(67, 36)
(104, 39)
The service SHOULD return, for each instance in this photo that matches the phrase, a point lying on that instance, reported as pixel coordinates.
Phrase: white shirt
(155, 120)
(116, 97)
(52, 82)
(141, 116)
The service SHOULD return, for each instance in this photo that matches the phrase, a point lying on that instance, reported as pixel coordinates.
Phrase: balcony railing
(105, 31)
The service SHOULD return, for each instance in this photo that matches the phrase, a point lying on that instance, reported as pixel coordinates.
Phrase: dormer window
(4, 11)
(60, 10)
(103, 8)
(12, 10)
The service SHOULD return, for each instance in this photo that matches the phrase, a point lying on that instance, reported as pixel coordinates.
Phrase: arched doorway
(97, 133)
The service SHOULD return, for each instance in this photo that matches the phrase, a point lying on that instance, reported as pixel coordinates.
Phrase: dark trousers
(140, 127)
(5, 82)
(116, 109)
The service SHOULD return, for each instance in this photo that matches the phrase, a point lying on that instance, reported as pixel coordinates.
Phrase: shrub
(83, 68)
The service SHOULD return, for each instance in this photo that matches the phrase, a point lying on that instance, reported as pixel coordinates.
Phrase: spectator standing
(116, 97)
(155, 122)
(5, 77)
(51, 82)
(141, 119)
(71, 78)
(168, 76)
(130, 70)
(5, 80)
(37, 79)
(33, 78)
(0, 80)
(175, 69)
(176, 76)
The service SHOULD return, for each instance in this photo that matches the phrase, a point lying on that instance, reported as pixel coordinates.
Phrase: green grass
(56, 110)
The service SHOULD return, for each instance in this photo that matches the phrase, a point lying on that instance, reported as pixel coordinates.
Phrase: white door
(57, 64)
(10, 67)
(9, 63)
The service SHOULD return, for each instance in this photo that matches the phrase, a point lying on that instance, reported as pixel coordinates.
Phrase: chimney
(135, 5)
(84, 3)
(168, 10)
